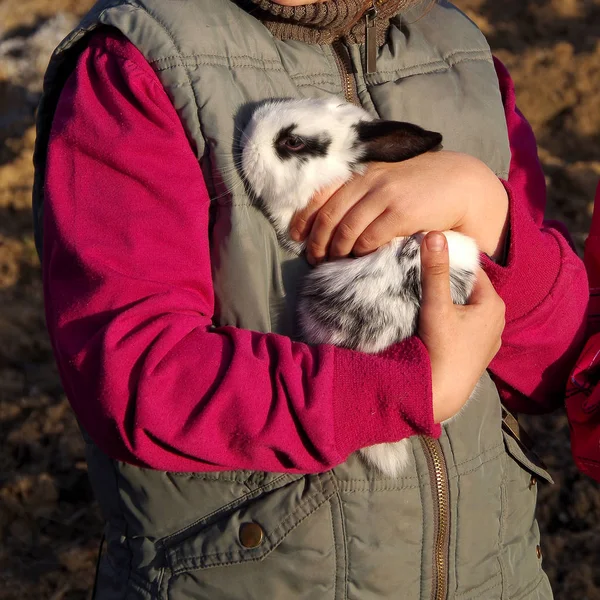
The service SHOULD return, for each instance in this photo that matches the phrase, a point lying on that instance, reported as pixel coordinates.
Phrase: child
(583, 393)
(222, 452)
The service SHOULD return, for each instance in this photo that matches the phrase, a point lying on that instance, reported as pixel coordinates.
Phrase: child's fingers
(303, 220)
(329, 219)
(377, 232)
(353, 226)
(435, 272)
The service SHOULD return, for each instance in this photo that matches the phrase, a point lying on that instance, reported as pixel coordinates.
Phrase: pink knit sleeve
(543, 282)
(129, 302)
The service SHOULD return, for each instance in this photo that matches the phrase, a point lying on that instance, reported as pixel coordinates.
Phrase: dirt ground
(49, 525)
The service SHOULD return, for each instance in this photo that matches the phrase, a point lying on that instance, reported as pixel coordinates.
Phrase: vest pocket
(520, 537)
(277, 545)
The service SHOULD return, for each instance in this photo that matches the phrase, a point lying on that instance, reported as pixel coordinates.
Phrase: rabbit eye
(292, 143)
(289, 145)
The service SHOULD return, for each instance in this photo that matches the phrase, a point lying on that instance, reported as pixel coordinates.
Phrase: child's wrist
(487, 219)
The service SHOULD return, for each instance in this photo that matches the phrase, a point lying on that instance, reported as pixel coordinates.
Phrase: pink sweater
(129, 301)
(583, 392)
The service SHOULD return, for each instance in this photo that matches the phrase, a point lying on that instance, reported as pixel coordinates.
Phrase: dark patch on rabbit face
(289, 144)
(292, 149)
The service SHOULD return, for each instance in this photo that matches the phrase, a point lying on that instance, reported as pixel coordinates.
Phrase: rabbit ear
(394, 141)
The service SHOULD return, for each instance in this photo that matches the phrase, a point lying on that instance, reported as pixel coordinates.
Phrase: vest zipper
(342, 59)
(342, 55)
(438, 473)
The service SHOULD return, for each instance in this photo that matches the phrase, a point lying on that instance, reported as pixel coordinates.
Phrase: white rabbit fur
(293, 148)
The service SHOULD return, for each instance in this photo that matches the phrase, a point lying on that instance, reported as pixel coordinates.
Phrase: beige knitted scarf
(325, 22)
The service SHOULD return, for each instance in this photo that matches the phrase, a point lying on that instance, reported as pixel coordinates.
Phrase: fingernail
(295, 235)
(435, 242)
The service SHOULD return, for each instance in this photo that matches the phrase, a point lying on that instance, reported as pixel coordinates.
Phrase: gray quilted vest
(460, 524)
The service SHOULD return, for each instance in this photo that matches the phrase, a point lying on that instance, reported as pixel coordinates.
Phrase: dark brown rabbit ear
(394, 141)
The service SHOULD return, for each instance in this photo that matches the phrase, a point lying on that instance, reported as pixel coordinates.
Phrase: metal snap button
(251, 535)
(532, 482)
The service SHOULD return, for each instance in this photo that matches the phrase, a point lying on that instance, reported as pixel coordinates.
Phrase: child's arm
(583, 392)
(540, 278)
(543, 283)
(129, 302)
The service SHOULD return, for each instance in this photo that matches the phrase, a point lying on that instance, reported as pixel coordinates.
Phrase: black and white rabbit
(293, 148)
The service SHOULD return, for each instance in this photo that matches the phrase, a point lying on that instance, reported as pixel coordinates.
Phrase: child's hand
(434, 191)
(461, 340)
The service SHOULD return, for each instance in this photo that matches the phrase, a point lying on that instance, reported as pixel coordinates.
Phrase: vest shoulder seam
(241, 61)
(302, 80)
(208, 55)
(445, 63)
(197, 62)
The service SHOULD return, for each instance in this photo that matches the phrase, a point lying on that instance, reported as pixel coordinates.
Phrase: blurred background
(49, 524)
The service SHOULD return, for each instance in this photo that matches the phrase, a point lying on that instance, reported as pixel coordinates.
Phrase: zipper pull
(371, 39)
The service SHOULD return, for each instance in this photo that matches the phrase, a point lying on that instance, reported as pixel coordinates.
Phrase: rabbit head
(293, 148)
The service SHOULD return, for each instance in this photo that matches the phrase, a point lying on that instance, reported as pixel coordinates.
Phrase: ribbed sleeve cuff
(526, 279)
(382, 398)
